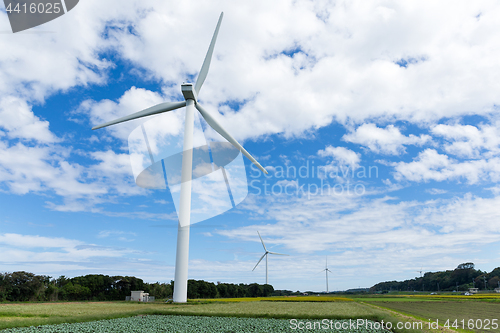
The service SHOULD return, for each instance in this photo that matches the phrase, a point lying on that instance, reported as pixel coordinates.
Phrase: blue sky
(404, 94)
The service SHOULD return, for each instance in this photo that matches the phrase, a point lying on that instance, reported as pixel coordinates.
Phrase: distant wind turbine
(190, 93)
(420, 271)
(265, 255)
(326, 270)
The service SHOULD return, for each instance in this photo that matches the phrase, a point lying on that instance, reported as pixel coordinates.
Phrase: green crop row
(187, 324)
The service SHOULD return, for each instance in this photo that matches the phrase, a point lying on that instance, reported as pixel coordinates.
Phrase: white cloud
(71, 257)
(161, 202)
(281, 63)
(436, 191)
(19, 121)
(26, 169)
(15, 247)
(387, 140)
(341, 155)
(113, 172)
(45, 169)
(468, 141)
(430, 165)
(285, 182)
(310, 56)
(306, 52)
(36, 65)
(29, 241)
(118, 234)
(133, 100)
(360, 234)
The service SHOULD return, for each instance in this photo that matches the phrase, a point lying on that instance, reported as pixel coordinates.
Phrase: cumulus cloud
(133, 100)
(26, 169)
(310, 57)
(341, 155)
(416, 72)
(387, 140)
(19, 121)
(45, 169)
(467, 141)
(430, 165)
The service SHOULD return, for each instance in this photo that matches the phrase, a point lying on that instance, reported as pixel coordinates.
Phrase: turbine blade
(208, 58)
(259, 261)
(329, 270)
(217, 127)
(262, 242)
(163, 107)
(281, 254)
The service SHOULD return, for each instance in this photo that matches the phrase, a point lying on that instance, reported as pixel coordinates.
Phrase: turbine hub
(188, 91)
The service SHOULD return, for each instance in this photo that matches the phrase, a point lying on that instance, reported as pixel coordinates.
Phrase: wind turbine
(326, 270)
(265, 255)
(190, 93)
(420, 271)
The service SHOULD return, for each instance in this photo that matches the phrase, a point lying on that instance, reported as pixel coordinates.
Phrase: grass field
(32, 314)
(191, 324)
(51, 312)
(480, 313)
(279, 299)
(402, 298)
(375, 307)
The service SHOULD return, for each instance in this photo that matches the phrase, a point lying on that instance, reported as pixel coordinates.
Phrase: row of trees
(462, 278)
(24, 286)
(204, 289)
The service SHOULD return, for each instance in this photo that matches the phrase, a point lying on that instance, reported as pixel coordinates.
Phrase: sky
(377, 122)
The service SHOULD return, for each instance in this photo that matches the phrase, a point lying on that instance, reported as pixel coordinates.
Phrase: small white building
(497, 290)
(140, 296)
(473, 290)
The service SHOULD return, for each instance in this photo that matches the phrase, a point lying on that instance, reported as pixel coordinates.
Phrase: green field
(481, 313)
(191, 324)
(53, 312)
(407, 309)
(441, 297)
(32, 314)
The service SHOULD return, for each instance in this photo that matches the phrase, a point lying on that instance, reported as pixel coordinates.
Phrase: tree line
(204, 289)
(24, 286)
(462, 278)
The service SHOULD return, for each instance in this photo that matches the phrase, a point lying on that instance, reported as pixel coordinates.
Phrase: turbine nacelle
(189, 91)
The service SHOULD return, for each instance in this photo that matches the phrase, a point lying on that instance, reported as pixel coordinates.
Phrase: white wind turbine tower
(265, 255)
(190, 93)
(326, 270)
